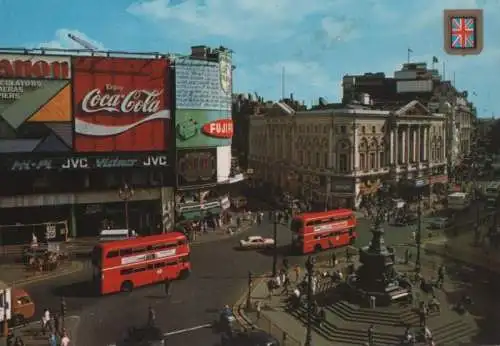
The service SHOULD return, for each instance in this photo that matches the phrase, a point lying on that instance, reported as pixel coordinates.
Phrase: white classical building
(334, 157)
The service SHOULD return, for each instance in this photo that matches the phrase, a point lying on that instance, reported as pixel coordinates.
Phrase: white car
(256, 242)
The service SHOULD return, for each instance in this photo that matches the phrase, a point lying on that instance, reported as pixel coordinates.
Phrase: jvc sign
(89, 162)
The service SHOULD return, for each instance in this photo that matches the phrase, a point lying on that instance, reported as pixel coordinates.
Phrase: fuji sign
(221, 128)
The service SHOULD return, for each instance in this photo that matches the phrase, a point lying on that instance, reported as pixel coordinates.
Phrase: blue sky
(316, 41)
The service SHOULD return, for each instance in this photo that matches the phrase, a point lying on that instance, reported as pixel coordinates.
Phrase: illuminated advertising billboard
(203, 94)
(35, 104)
(121, 104)
(196, 167)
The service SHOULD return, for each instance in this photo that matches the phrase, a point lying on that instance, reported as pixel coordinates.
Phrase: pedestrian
(238, 221)
(371, 331)
(296, 270)
(65, 340)
(413, 236)
(270, 288)
(57, 324)
(53, 339)
(334, 260)
(45, 321)
(19, 342)
(440, 279)
(167, 286)
(422, 314)
(347, 255)
(373, 302)
(286, 285)
(407, 256)
(151, 316)
(285, 264)
(11, 338)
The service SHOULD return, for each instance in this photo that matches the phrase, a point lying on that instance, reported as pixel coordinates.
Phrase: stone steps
(349, 313)
(450, 333)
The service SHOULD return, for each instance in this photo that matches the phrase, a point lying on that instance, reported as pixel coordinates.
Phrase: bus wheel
(184, 274)
(127, 286)
(318, 248)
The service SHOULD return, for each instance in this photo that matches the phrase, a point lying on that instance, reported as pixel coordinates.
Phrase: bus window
(113, 253)
(160, 265)
(125, 252)
(139, 250)
(140, 269)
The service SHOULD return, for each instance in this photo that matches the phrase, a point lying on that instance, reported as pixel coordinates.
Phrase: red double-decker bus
(122, 265)
(313, 232)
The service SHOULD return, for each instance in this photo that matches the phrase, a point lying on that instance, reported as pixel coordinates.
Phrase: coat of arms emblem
(226, 72)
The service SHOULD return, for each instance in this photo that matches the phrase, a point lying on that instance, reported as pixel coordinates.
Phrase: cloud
(235, 19)
(304, 75)
(62, 41)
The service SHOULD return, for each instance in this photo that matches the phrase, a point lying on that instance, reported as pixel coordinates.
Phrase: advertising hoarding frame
(205, 179)
(148, 102)
(203, 94)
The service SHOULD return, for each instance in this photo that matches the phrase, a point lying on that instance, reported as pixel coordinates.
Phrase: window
(127, 271)
(343, 163)
(373, 163)
(374, 129)
(381, 159)
(138, 250)
(113, 253)
(125, 252)
(362, 161)
(326, 160)
(363, 129)
(163, 246)
(159, 265)
(343, 129)
(318, 160)
(172, 263)
(309, 161)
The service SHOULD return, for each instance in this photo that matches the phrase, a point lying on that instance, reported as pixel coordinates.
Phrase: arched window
(343, 156)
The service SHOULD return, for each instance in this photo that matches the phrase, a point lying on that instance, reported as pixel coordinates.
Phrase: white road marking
(185, 330)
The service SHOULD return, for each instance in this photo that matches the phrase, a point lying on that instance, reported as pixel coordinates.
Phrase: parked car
(440, 223)
(251, 338)
(256, 242)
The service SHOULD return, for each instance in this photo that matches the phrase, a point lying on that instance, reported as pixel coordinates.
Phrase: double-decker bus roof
(141, 240)
(321, 214)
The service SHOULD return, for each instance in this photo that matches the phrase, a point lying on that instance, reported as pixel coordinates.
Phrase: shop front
(144, 217)
(343, 192)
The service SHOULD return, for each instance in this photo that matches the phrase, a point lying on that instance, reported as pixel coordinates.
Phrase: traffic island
(347, 321)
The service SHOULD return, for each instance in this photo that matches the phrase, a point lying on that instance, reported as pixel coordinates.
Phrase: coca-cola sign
(114, 99)
(121, 104)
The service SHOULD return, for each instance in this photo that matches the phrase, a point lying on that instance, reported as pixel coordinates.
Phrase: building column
(396, 147)
(414, 144)
(72, 222)
(426, 144)
(356, 149)
(404, 147)
(392, 147)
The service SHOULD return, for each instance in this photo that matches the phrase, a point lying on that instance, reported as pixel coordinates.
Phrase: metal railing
(273, 329)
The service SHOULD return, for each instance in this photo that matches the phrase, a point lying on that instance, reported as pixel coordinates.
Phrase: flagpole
(454, 80)
(283, 83)
(409, 51)
(444, 71)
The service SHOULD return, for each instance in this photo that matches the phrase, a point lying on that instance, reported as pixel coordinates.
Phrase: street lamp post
(126, 193)
(419, 184)
(310, 271)
(249, 288)
(275, 246)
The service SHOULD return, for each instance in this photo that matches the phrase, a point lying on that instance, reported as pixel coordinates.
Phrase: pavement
(32, 333)
(347, 323)
(17, 275)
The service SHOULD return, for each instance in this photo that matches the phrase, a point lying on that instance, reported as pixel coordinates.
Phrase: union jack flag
(463, 32)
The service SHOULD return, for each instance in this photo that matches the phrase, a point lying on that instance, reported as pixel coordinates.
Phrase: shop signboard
(196, 167)
(122, 104)
(343, 187)
(85, 162)
(203, 94)
(35, 104)
(438, 179)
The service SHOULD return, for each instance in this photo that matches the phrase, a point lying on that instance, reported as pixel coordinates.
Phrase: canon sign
(135, 101)
(34, 67)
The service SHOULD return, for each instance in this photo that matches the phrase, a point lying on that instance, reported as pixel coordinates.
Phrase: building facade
(415, 81)
(335, 157)
(84, 144)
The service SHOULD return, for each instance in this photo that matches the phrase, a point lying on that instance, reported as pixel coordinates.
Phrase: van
(113, 234)
(21, 307)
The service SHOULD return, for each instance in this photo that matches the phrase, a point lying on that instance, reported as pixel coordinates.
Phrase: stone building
(333, 157)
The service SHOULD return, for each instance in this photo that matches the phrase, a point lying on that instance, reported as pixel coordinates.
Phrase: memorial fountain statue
(376, 277)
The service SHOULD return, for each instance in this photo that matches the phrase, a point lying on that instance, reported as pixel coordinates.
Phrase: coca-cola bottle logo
(116, 101)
